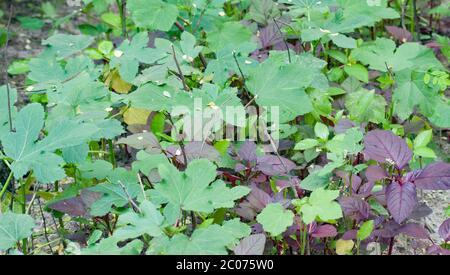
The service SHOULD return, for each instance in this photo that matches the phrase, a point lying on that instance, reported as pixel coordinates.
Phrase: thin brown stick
(180, 73)
(284, 40)
(5, 66)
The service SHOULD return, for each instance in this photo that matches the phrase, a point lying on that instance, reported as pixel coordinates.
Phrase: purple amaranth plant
(401, 191)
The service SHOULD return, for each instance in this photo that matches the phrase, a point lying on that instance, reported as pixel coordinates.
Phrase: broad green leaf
(122, 186)
(382, 55)
(321, 205)
(230, 33)
(28, 154)
(132, 225)
(64, 45)
(109, 246)
(347, 143)
(192, 190)
(366, 106)
(275, 219)
(306, 144)
(358, 71)
(280, 87)
(153, 14)
(212, 240)
(13, 228)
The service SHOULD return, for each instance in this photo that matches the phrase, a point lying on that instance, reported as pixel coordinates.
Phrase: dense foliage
(347, 116)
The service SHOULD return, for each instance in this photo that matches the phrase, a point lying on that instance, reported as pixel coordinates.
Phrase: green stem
(5, 186)
(121, 6)
(112, 155)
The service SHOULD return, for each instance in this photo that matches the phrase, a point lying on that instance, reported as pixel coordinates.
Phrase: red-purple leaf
(375, 173)
(385, 147)
(435, 176)
(444, 230)
(401, 200)
(324, 231)
(399, 34)
(251, 245)
(194, 150)
(275, 166)
(247, 152)
(355, 208)
(414, 230)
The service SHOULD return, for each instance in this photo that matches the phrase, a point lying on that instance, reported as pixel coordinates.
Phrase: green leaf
(230, 33)
(322, 205)
(114, 193)
(18, 67)
(13, 228)
(306, 144)
(211, 240)
(365, 230)
(64, 45)
(343, 41)
(275, 219)
(347, 143)
(366, 106)
(132, 225)
(192, 190)
(321, 131)
(423, 138)
(130, 53)
(28, 154)
(280, 87)
(153, 14)
(383, 56)
(105, 46)
(358, 71)
(30, 23)
(424, 152)
(109, 247)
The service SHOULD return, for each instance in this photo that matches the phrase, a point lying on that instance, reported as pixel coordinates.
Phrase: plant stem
(112, 155)
(180, 73)
(284, 40)
(5, 67)
(5, 186)
(391, 246)
(121, 5)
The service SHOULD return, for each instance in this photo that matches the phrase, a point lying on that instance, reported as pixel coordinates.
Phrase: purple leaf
(355, 208)
(435, 176)
(76, 206)
(401, 200)
(73, 207)
(437, 250)
(385, 147)
(420, 212)
(375, 173)
(414, 230)
(324, 231)
(194, 150)
(356, 180)
(270, 36)
(251, 245)
(343, 125)
(350, 235)
(247, 152)
(273, 166)
(399, 34)
(444, 230)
